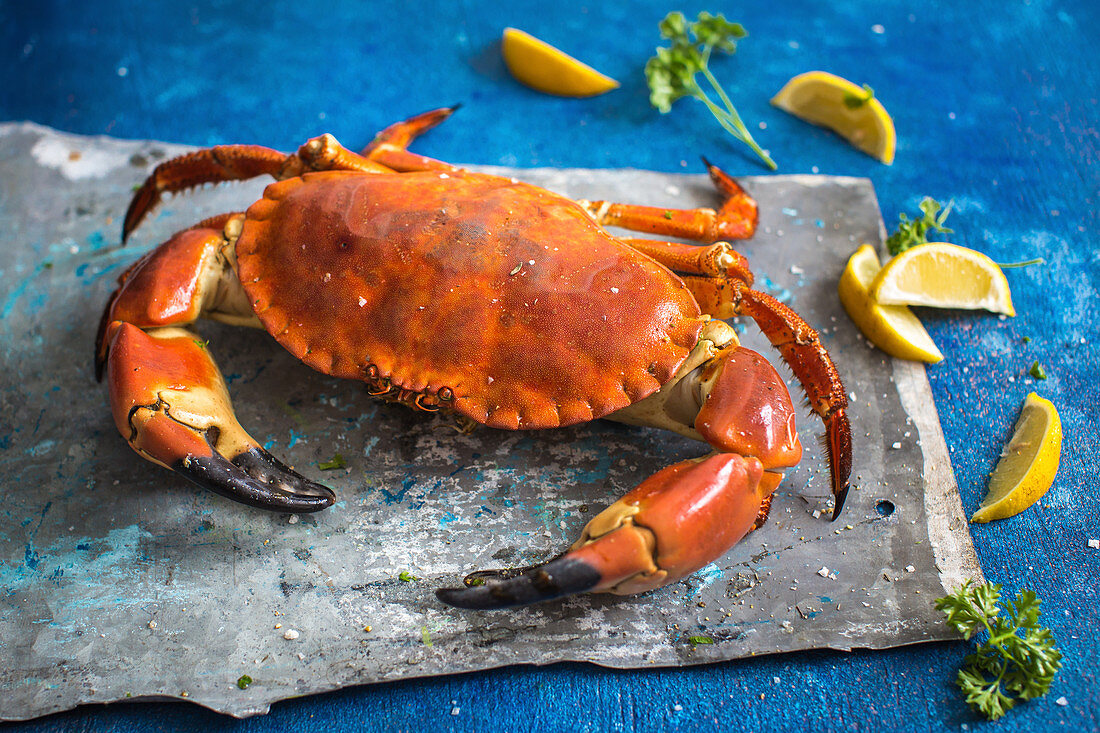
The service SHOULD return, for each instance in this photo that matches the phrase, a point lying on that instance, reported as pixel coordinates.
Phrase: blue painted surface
(996, 107)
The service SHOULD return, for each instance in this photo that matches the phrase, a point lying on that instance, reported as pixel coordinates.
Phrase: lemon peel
(851, 111)
(943, 275)
(543, 67)
(892, 328)
(1028, 464)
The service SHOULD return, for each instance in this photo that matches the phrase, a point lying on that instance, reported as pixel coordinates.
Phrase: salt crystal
(775, 680)
(362, 301)
(895, 445)
(1094, 544)
(290, 634)
(824, 572)
(910, 569)
(456, 710)
(677, 707)
(1062, 701)
(293, 519)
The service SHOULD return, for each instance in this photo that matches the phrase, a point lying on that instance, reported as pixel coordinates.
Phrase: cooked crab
(496, 301)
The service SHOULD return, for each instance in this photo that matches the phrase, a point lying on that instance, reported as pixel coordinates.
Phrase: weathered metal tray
(119, 580)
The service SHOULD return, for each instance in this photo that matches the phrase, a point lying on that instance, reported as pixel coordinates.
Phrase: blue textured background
(996, 107)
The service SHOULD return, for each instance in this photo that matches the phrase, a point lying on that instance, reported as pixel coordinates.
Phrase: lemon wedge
(943, 275)
(849, 110)
(892, 328)
(540, 66)
(1028, 463)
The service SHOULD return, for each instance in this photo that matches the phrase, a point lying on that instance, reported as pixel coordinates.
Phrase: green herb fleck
(425, 636)
(337, 462)
(200, 343)
(475, 581)
(407, 576)
(47, 265)
(911, 233)
(244, 681)
(294, 414)
(700, 640)
(1037, 371)
(1027, 339)
(1017, 659)
(671, 73)
(668, 214)
(855, 101)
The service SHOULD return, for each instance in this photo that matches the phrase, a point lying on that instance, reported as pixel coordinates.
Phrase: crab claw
(669, 526)
(171, 404)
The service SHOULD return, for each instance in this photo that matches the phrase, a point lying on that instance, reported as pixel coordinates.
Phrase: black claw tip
(258, 479)
(492, 589)
(838, 502)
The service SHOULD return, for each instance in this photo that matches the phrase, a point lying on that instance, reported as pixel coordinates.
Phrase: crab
(492, 300)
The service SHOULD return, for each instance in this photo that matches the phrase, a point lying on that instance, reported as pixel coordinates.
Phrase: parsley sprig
(1016, 660)
(911, 233)
(671, 73)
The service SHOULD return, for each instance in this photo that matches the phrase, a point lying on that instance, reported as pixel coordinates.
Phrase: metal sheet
(119, 580)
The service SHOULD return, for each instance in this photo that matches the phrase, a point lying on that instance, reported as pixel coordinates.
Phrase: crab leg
(686, 515)
(735, 219)
(389, 146)
(168, 398)
(718, 259)
(237, 163)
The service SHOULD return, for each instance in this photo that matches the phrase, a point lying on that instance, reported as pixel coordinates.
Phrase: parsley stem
(730, 122)
(1025, 263)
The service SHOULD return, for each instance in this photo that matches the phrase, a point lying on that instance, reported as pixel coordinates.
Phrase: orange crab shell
(506, 294)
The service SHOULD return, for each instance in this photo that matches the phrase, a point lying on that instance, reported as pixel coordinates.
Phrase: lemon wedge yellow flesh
(819, 97)
(1028, 463)
(892, 328)
(542, 67)
(943, 275)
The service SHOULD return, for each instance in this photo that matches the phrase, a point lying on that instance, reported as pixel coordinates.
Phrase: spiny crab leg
(237, 163)
(168, 398)
(735, 219)
(688, 514)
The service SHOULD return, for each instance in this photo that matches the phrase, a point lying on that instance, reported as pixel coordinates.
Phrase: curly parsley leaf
(671, 72)
(911, 233)
(1015, 658)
